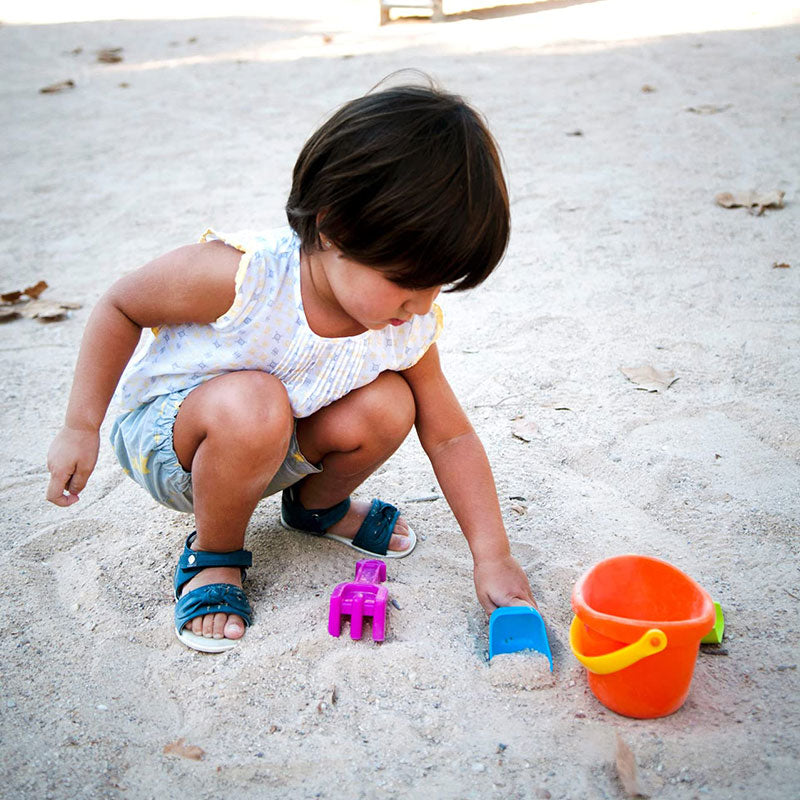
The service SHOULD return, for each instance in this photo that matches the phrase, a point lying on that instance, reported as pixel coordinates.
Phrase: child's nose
(422, 300)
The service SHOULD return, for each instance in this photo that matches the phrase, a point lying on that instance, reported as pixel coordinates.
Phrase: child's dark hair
(407, 180)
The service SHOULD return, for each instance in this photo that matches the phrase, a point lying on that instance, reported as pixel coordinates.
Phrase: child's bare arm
(463, 472)
(191, 284)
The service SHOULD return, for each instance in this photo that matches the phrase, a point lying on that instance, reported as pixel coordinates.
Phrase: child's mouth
(397, 322)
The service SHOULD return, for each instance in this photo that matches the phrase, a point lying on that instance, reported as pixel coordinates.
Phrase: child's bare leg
(232, 433)
(351, 438)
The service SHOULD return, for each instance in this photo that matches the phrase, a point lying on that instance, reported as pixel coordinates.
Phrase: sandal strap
(376, 530)
(311, 520)
(193, 561)
(213, 598)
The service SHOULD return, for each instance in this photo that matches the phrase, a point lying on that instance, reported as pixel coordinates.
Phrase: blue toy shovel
(516, 628)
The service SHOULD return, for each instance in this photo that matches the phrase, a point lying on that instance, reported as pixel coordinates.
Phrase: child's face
(369, 298)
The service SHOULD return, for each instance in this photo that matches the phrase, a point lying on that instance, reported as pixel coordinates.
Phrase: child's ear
(326, 243)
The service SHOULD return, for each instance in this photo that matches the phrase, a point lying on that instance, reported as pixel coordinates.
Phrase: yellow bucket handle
(651, 642)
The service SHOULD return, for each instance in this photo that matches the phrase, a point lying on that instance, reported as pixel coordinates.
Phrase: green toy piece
(714, 636)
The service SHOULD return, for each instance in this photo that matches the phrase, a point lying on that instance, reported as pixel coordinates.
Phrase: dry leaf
(518, 508)
(35, 290)
(180, 748)
(110, 55)
(46, 310)
(780, 265)
(524, 429)
(709, 109)
(754, 202)
(26, 303)
(626, 769)
(649, 378)
(57, 87)
(7, 313)
(648, 89)
(32, 292)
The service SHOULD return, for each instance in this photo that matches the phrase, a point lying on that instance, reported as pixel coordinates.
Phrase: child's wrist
(82, 425)
(497, 549)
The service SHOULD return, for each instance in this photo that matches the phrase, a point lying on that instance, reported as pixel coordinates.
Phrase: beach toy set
(637, 629)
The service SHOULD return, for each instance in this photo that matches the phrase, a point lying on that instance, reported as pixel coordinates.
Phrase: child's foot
(348, 526)
(216, 626)
(374, 528)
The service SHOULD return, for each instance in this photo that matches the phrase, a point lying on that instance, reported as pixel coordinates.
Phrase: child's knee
(251, 408)
(390, 406)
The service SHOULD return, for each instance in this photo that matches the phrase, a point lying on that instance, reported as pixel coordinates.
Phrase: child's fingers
(78, 481)
(55, 490)
(523, 601)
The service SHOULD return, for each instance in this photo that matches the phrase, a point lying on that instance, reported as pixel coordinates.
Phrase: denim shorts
(142, 440)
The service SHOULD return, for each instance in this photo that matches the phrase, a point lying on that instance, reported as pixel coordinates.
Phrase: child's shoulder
(275, 242)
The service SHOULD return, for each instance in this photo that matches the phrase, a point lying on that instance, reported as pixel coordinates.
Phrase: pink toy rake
(364, 597)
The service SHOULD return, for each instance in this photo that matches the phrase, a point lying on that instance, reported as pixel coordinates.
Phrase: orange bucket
(637, 629)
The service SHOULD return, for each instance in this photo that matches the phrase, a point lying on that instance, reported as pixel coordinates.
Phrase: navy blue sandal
(214, 598)
(371, 538)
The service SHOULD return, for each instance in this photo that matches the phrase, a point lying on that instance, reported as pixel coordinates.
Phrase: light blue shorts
(142, 440)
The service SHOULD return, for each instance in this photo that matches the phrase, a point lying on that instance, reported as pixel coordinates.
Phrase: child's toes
(208, 626)
(218, 629)
(196, 626)
(234, 627)
(399, 542)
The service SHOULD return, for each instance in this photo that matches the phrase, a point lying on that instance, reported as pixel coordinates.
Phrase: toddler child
(298, 359)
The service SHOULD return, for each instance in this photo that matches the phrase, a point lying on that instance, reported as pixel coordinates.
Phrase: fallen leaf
(7, 313)
(648, 89)
(57, 87)
(780, 265)
(180, 748)
(46, 310)
(649, 378)
(627, 771)
(518, 508)
(524, 429)
(26, 303)
(754, 202)
(707, 108)
(35, 290)
(110, 55)
(575, 133)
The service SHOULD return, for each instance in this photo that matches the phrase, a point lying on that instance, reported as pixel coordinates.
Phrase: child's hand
(71, 460)
(501, 582)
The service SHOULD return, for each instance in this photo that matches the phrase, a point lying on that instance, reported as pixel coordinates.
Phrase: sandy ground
(619, 257)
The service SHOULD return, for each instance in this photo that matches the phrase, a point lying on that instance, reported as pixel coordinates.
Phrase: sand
(619, 258)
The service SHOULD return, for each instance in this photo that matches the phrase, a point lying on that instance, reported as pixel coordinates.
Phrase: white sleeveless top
(266, 329)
